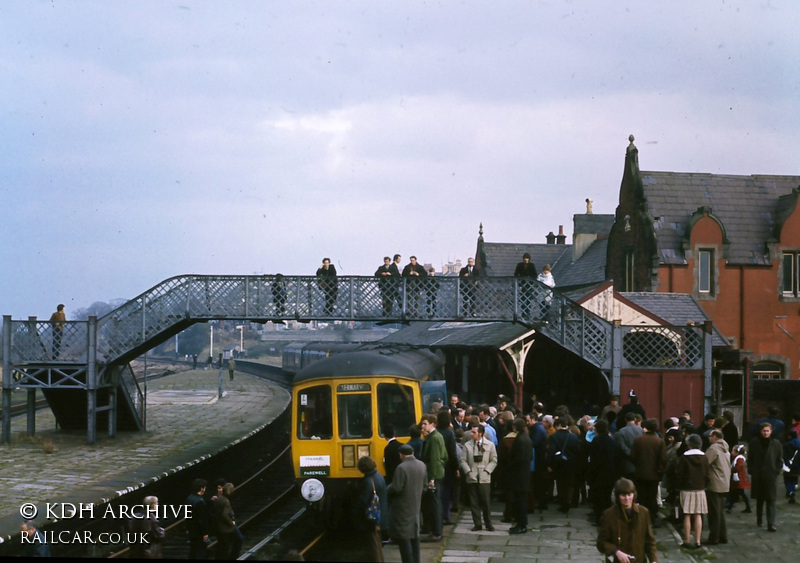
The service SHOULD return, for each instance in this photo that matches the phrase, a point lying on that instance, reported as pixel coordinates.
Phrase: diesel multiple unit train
(346, 395)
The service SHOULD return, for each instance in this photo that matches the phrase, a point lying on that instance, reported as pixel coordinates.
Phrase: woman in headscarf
(371, 484)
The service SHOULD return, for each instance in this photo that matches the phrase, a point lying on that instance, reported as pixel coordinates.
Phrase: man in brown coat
(649, 455)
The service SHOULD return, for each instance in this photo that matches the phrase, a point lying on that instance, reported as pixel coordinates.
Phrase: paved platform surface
(553, 536)
(185, 423)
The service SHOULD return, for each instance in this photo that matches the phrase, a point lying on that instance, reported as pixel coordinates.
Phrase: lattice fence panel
(576, 329)
(40, 341)
(663, 347)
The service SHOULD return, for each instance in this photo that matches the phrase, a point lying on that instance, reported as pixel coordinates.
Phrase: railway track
(269, 509)
(266, 504)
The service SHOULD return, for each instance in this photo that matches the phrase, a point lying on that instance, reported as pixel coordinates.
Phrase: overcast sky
(143, 140)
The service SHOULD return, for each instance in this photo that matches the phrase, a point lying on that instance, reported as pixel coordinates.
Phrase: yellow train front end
(341, 408)
(339, 420)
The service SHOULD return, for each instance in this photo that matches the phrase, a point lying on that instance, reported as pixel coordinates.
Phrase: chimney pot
(561, 238)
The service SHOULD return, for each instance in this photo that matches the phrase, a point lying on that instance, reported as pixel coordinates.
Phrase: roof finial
(632, 149)
(480, 230)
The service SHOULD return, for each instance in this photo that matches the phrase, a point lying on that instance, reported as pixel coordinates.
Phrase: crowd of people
(632, 471)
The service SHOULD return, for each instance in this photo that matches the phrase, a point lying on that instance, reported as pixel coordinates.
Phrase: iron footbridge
(86, 363)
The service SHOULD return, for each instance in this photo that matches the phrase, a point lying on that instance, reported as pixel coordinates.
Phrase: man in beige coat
(717, 487)
(478, 463)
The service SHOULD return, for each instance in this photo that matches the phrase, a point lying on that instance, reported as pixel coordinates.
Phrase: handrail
(180, 301)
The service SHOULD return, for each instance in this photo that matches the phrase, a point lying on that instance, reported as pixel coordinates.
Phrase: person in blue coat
(371, 484)
(791, 459)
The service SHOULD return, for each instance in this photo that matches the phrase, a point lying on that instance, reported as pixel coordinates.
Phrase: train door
(354, 425)
(398, 407)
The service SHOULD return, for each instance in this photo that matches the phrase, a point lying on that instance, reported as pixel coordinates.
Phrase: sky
(142, 140)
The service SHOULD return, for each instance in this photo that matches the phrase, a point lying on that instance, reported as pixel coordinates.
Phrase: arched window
(767, 370)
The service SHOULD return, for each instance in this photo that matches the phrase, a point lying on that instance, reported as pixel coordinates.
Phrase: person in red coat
(740, 481)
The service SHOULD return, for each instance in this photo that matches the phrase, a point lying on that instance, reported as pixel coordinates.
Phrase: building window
(767, 370)
(705, 272)
(791, 262)
(629, 271)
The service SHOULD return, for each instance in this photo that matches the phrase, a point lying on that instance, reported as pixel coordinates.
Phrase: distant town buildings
(452, 268)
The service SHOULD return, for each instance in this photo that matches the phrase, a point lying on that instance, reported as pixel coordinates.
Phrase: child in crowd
(740, 482)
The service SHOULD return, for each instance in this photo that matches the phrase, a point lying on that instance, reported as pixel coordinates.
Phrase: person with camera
(478, 463)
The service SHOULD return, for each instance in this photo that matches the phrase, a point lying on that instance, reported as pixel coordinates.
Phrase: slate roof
(502, 258)
(590, 268)
(463, 335)
(747, 206)
(676, 309)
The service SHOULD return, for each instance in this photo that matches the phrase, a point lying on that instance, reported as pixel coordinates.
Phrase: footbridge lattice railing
(94, 354)
(174, 304)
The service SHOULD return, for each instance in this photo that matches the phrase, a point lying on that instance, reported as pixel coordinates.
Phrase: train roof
(409, 363)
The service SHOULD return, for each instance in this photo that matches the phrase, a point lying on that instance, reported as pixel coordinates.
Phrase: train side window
(355, 416)
(315, 420)
(396, 407)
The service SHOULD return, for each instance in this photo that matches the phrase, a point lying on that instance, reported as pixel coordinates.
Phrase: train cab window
(355, 416)
(396, 407)
(315, 420)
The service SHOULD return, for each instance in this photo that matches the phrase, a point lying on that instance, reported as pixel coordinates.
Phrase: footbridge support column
(91, 381)
(616, 357)
(518, 351)
(6, 379)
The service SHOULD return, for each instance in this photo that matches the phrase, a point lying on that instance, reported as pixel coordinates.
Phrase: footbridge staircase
(84, 369)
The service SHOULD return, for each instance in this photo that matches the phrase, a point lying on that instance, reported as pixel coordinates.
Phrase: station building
(682, 248)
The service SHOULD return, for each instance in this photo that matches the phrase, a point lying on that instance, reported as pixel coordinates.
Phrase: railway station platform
(186, 423)
(553, 536)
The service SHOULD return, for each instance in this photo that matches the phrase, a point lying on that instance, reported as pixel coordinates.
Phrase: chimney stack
(561, 238)
(551, 238)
